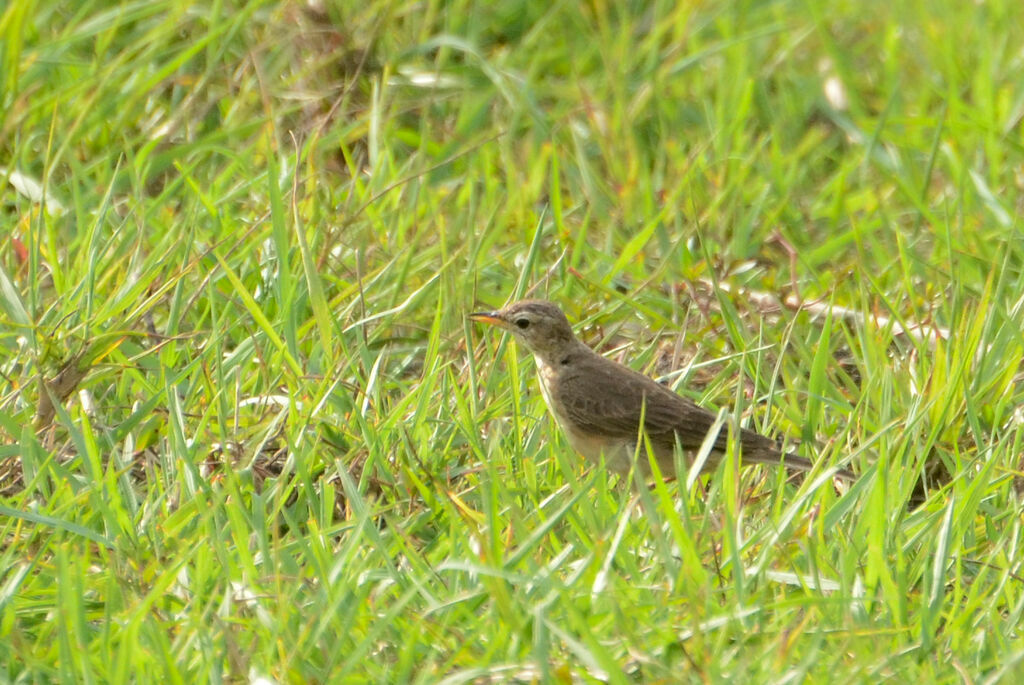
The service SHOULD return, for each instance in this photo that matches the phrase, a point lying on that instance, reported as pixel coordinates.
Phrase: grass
(248, 432)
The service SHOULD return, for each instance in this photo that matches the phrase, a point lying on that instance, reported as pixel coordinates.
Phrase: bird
(599, 403)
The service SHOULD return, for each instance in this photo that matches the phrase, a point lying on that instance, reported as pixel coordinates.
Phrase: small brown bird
(598, 403)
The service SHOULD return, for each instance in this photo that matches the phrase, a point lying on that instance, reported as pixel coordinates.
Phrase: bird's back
(597, 397)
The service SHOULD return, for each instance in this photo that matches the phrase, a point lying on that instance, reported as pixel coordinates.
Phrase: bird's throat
(545, 377)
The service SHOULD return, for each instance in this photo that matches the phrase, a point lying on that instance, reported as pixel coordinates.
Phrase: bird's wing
(605, 399)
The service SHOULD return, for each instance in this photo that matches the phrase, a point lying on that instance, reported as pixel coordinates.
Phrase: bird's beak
(493, 318)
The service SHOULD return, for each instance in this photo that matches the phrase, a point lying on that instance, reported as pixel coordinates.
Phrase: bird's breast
(617, 453)
(547, 378)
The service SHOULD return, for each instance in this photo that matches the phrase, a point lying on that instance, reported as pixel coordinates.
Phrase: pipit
(598, 403)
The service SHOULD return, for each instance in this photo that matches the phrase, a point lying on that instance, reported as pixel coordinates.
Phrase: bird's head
(539, 325)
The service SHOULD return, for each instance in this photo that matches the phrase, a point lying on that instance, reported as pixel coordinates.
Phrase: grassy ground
(247, 430)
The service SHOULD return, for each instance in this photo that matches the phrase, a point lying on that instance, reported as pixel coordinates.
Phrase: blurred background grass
(247, 431)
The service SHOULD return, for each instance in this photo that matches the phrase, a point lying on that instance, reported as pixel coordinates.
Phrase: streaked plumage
(598, 402)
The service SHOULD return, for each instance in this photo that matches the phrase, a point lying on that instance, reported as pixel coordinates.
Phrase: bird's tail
(762, 454)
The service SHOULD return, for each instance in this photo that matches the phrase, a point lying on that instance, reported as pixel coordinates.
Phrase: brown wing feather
(604, 398)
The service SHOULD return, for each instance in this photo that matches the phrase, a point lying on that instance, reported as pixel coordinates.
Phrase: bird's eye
(523, 323)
